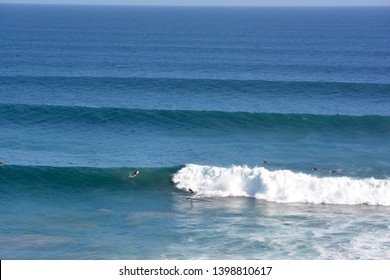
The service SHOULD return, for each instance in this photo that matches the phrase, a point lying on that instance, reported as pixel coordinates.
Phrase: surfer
(191, 193)
(132, 175)
(333, 171)
(1, 163)
(314, 168)
(266, 162)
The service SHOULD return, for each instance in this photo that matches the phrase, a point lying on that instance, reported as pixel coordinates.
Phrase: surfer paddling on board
(132, 175)
(1, 163)
(266, 162)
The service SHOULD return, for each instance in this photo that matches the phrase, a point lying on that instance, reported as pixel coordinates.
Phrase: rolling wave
(25, 115)
(81, 178)
(198, 94)
(193, 84)
(281, 186)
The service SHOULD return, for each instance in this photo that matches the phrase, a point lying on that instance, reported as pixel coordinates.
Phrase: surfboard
(134, 174)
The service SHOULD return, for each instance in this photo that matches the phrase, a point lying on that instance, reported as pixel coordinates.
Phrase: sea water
(277, 118)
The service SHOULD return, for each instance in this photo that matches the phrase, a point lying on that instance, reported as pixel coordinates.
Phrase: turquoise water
(194, 98)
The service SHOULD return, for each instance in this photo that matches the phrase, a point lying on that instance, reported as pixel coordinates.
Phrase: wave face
(282, 186)
(112, 137)
(12, 114)
(71, 179)
(199, 94)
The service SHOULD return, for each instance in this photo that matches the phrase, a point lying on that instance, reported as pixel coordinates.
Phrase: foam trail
(282, 186)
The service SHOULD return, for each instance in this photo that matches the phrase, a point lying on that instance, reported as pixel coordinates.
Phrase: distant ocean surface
(194, 98)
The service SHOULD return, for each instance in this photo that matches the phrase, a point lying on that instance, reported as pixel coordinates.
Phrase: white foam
(282, 186)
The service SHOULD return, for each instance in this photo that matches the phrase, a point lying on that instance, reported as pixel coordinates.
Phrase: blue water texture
(277, 118)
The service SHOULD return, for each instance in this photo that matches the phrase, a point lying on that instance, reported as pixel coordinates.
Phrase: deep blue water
(194, 98)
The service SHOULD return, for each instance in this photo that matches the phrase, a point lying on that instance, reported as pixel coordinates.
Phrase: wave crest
(282, 186)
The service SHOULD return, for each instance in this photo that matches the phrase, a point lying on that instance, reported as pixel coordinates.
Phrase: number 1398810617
(231, 270)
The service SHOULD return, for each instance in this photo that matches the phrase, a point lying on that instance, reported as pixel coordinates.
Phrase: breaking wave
(282, 186)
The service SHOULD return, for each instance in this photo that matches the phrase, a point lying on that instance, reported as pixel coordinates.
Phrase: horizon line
(200, 5)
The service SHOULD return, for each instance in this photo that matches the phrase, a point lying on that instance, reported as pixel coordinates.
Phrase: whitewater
(282, 186)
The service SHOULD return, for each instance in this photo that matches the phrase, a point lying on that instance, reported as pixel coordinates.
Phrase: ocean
(278, 119)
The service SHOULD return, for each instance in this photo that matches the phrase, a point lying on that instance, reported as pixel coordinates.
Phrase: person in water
(1, 163)
(135, 173)
(266, 162)
(191, 193)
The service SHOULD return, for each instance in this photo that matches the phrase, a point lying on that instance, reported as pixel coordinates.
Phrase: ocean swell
(16, 114)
